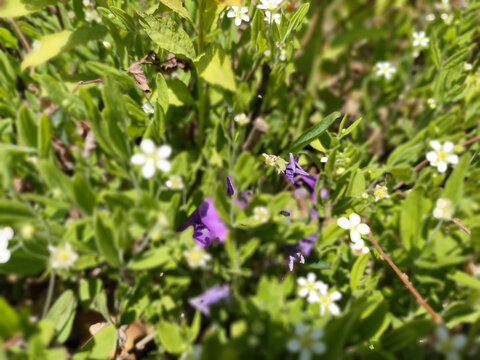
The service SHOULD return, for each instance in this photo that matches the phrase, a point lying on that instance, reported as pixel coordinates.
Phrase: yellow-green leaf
(215, 68)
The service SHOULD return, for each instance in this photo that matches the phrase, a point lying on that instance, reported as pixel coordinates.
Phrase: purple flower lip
(293, 169)
(207, 225)
(210, 297)
(230, 188)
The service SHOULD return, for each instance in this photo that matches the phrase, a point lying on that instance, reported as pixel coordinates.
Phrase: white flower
(447, 18)
(106, 44)
(467, 67)
(380, 192)
(36, 44)
(324, 159)
(275, 162)
(444, 209)
(385, 69)
(269, 5)
(364, 196)
(431, 103)
(197, 257)
(260, 213)
(353, 224)
(272, 18)
(306, 342)
(152, 158)
(62, 256)
(242, 119)
(148, 108)
(442, 155)
(92, 15)
(449, 346)
(239, 14)
(420, 40)
(309, 287)
(86, 2)
(359, 248)
(430, 17)
(175, 182)
(6, 234)
(326, 300)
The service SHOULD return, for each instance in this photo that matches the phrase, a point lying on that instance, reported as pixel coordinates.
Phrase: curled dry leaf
(140, 79)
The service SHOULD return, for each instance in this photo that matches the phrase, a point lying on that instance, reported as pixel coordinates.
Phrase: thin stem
(461, 226)
(48, 301)
(407, 283)
(20, 34)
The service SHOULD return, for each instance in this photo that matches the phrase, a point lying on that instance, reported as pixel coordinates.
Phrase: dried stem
(407, 283)
(86, 82)
(20, 34)
(461, 226)
(471, 141)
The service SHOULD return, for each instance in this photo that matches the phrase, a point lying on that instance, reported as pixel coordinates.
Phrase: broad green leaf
(177, 6)
(314, 132)
(15, 8)
(54, 44)
(357, 270)
(105, 240)
(9, 321)
(44, 136)
(168, 34)
(11, 211)
(178, 93)
(171, 338)
(99, 346)
(464, 279)
(413, 210)
(215, 68)
(125, 18)
(27, 128)
(62, 313)
(454, 186)
(151, 259)
(356, 185)
(83, 193)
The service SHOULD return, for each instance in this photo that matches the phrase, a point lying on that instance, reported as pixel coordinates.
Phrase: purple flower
(306, 244)
(230, 188)
(293, 257)
(293, 169)
(323, 193)
(211, 296)
(297, 252)
(207, 225)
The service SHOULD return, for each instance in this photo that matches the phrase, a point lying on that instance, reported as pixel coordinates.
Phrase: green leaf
(171, 338)
(62, 313)
(454, 186)
(413, 209)
(7, 39)
(314, 132)
(9, 321)
(356, 185)
(105, 239)
(407, 334)
(151, 259)
(462, 278)
(215, 68)
(99, 346)
(435, 51)
(125, 18)
(55, 178)
(83, 194)
(345, 132)
(178, 93)
(162, 92)
(27, 128)
(15, 8)
(296, 20)
(168, 34)
(54, 44)
(357, 270)
(177, 6)
(44, 136)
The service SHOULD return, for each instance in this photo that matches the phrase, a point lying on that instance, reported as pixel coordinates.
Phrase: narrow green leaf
(357, 270)
(27, 128)
(462, 278)
(45, 134)
(413, 209)
(314, 132)
(356, 185)
(55, 178)
(296, 20)
(62, 313)
(454, 186)
(151, 259)
(105, 240)
(83, 194)
(9, 321)
(162, 92)
(435, 51)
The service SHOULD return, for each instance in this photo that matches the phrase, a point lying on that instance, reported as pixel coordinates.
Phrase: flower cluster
(62, 256)
(306, 341)
(152, 158)
(357, 229)
(385, 69)
(317, 292)
(442, 155)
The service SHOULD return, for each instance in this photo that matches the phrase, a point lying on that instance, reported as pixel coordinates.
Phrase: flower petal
(316, 333)
(334, 309)
(344, 223)
(363, 229)
(355, 219)
(432, 156)
(442, 166)
(301, 281)
(448, 146)
(163, 165)
(293, 345)
(452, 159)
(138, 159)
(7, 233)
(230, 14)
(148, 169)
(318, 347)
(238, 21)
(354, 235)
(311, 277)
(147, 146)
(4, 256)
(336, 295)
(322, 287)
(305, 354)
(435, 145)
(164, 151)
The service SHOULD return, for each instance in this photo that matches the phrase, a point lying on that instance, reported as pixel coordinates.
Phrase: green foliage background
(323, 99)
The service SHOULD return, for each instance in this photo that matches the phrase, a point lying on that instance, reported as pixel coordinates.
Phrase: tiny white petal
(363, 229)
(334, 309)
(293, 345)
(448, 146)
(344, 223)
(148, 169)
(355, 235)
(147, 146)
(452, 159)
(316, 333)
(163, 165)
(432, 156)
(318, 347)
(435, 145)
(4, 256)
(300, 329)
(7, 232)
(164, 151)
(355, 219)
(459, 341)
(442, 166)
(322, 288)
(138, 159)
(301, 281)
(311, 277)
(336, 295)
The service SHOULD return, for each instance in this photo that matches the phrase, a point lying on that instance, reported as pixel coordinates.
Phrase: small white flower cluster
(62, 256)
(420, 40)
(444, 209)
(175, 182)
(353, 223)
(241, 119)
(283, 51)
(317, 292)
(431, 103)
(6, 234)
(380, 192)
(306, 342)
(451, 347)
(385, 69)
(260, 213)
(442, 155)
(197, 257)
(270, 6)
(239, 14)
(152, 158)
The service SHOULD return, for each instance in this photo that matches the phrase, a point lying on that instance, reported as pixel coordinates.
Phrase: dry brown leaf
(140, 79)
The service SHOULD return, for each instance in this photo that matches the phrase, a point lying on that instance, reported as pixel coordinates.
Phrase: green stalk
(200, 86)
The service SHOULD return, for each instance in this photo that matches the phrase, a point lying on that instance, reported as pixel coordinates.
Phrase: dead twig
(461, 226)
(86, 82)
(407, 283)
